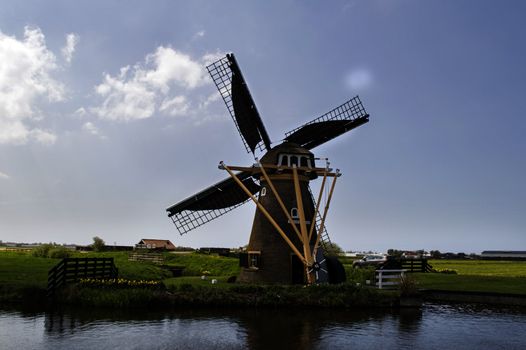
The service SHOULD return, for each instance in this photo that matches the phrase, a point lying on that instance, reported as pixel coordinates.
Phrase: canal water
(435, 326)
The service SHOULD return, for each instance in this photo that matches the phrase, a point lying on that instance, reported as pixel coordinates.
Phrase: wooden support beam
(282, 205)
(303, 227)
(255, 170)
(266, 213)
(313, 223)
(326, 209)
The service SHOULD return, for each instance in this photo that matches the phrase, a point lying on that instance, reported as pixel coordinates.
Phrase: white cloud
(3, 176)
(359, 79)
(90, 128)
(212, 57)
(175, 106)
(25, 68)
(212, 98)
(171, 66)
(199, 34)
(125, 98)
(80, 112)
(42, 136)
(161, 83)
(71, 42)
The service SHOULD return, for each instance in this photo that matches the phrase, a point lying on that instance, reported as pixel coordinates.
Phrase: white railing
(389, 278)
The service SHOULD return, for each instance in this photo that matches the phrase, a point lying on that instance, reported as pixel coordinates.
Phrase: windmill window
(304, 162)
(293, 160)
(254, 259)
(263, 192)
(294, 213)
(284, 160)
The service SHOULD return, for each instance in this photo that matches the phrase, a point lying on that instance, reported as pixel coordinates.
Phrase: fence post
(380, 279)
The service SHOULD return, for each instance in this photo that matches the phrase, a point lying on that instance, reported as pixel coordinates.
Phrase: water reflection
(433, 327)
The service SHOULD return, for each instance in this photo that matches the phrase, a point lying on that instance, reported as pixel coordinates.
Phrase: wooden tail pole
(265, 212)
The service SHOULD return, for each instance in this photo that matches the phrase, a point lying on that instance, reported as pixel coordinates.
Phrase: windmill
(288, 235)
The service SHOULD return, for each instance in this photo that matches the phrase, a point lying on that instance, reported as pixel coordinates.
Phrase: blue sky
(107, 116)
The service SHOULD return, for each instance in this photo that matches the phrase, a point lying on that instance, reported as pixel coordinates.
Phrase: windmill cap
(272, 156)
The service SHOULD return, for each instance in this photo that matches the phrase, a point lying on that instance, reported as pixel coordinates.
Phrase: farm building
(503, 254)
(160, 244)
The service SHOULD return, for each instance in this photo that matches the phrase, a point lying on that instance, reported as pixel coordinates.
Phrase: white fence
(389, 278)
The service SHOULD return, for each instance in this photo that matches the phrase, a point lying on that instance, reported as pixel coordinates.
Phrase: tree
(435, 254)
(98, 244)
(395, 252)
(334, 250)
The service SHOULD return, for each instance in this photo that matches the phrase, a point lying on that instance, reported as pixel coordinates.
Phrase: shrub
(446, 271)
(408, 285)
(58, 253)
(42, 251)
(361, 275)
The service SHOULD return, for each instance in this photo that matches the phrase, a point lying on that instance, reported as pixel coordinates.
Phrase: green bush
(50, 251)
(58, 253)
(360, 275)
(42, 251)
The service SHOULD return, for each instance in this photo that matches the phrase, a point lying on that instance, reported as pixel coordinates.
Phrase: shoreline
(253, 296)
(489, 298)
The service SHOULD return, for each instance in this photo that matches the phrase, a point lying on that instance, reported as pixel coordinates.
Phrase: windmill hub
(289, 225)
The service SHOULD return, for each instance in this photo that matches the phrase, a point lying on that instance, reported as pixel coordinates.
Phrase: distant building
(214, 250)
(160, 244)
(503, 254)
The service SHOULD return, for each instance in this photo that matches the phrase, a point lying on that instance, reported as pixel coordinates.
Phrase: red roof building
(161, 244)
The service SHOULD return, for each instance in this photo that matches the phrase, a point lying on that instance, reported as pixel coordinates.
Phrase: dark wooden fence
(72, 269)
(156, 258)
(410, 265)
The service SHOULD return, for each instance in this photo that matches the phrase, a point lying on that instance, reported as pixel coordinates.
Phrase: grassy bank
(23, 277)
(234, 295)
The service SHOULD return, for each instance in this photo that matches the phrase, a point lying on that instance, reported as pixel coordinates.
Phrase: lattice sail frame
(222, 76)
(350, 110)
(188, 220)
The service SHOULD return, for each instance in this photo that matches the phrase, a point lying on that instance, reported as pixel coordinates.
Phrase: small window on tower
(254, 259)
(263, 192)
(294, 213)
(304, 162)
(284, 160)
(293, 160)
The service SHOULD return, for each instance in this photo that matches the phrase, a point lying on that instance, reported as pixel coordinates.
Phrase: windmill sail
(211, 203)
(338, 121)
(231, 85)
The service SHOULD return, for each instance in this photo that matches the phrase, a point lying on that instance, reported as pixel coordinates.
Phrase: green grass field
(483, 267)
(476, 276)
(22, 270)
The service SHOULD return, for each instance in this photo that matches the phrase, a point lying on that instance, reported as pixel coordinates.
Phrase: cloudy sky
(107, 116)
